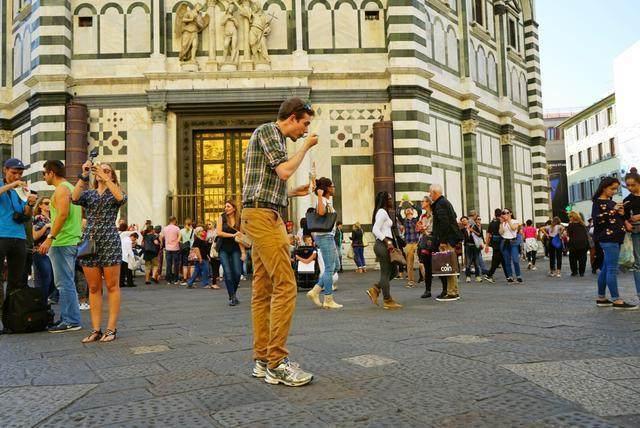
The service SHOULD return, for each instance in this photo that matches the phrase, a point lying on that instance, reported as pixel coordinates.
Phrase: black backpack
(148, 245)
(26, 311)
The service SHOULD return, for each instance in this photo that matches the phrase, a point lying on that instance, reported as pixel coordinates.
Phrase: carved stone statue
(230, 31)
(189, 22)
(258, 32)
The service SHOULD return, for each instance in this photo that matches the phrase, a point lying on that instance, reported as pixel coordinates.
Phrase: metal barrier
(200, 207)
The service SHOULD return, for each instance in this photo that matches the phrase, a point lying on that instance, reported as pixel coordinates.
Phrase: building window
(478, 12)
(612, 146)
(372, 15)
(512, 35)
(610, 117)
(589, 155)
(85, 21)
(580, 160)
(600, 151)
(571, 158)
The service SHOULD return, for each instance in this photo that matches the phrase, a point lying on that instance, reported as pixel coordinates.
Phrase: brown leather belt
(259, 204)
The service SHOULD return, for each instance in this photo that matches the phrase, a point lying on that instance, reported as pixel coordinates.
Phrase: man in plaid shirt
(411, 237)
(264, 199)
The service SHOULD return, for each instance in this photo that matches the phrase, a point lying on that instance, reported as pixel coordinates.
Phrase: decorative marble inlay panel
(353, 128)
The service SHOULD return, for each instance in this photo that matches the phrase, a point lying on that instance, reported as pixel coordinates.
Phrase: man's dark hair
(294, 106)
(338, 223)
(497, 212)
(464, 217)
(323, 183)
(55, 166)
(529, 222)
(135, 235)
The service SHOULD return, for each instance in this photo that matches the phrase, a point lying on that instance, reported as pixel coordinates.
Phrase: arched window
(523, 90)
(346, 24)
(319, 25)
(279, 27)
(138, 28)
(26, 50)
(17, 57)
(482, 67)
(473, 63)
(452, 48)
(112, 29)
(492, 71)
(515, 86)
(439, 42)
(85, 30)
(372, 24)
(428, 29)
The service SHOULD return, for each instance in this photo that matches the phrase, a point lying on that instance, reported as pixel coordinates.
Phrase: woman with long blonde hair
(101, 205)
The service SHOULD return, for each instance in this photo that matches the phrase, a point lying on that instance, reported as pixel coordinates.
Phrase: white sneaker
(242, 278)
(534, 267)
(468, 279)
(84, 306)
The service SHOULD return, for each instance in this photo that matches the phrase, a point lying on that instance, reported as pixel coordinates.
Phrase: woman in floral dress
(101, 205)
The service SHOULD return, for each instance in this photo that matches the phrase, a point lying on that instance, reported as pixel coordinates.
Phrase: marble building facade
(458, 79)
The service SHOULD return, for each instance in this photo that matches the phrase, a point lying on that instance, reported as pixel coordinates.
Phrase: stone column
(506, 143)
(212, 63)
(500, 11)
(299, 29)
(159, 165)
(470, 151)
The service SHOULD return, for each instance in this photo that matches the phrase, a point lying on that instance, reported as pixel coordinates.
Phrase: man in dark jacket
(446, 235)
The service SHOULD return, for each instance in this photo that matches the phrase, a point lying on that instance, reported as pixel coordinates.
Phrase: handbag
(243, 240)
(350, 253)
(185, 246)
(445, 263)
(321, 223)
(477, 240)
(213, 253)
(87, 247)
(556, 242)
(397, 257)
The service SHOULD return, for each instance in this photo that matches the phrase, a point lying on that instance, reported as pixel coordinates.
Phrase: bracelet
(83, 177)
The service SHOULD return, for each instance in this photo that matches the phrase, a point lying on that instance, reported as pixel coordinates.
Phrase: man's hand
(635, 218)
(311, 141)
(628, 226)
(44, 247)
(17, 183)
(300, 190)
(86, 167)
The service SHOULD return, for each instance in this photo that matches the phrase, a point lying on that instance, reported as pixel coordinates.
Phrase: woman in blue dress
(101, 205)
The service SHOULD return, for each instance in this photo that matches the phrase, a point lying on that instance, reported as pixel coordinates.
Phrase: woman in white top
(510, 245)
(326, 244)
(382, 224)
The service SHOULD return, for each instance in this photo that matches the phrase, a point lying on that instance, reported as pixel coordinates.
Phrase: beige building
(173, 90)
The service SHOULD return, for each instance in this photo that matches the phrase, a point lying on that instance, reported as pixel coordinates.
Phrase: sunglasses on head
(304, 107)
(46, 202)
(506, 212)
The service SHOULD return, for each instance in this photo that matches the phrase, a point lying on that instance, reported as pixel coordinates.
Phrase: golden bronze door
(219, 167)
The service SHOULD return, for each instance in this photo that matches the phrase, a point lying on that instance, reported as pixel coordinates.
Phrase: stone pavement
(539, 354)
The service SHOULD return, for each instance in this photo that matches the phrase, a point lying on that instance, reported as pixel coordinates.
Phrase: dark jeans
(387, 270)
(471, 254)
(531, 257)
(555, 257)
(15, 251)
(232, 269)
(173, 265)
(43, 274)
(358, 257)
(126, 276)
(215, 270)
(578, 261)
(496, 260)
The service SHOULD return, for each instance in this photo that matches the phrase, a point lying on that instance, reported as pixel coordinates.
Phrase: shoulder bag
(87, 248)
(321, 223)
(186, 246)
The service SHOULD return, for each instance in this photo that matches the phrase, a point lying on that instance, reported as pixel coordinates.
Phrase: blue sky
(579, 40)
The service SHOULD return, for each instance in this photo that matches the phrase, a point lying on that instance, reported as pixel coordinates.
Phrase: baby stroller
(307, 274)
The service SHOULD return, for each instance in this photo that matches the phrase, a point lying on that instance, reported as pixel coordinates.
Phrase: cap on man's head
(14, 163)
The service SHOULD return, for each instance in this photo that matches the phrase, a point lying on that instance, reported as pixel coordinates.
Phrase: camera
(20, 218)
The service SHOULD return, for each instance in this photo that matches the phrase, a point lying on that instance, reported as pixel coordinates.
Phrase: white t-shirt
(382, 225)
(507, 232)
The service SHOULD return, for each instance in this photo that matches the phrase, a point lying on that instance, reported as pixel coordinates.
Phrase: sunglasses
(304, 107)
(506, 212)
(46, 203)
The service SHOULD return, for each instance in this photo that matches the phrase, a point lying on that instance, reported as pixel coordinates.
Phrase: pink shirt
(530, 232)
(171, 237)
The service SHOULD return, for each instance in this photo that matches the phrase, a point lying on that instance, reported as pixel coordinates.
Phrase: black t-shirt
(578, 236)
(632, 207)
(204, 247)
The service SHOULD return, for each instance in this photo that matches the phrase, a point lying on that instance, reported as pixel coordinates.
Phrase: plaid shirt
(410, 234)
(267, 149)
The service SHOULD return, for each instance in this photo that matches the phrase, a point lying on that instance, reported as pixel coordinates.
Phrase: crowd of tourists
(73, 237)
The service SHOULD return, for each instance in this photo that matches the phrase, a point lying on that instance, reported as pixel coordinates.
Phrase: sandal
(215, 287)
(94, 336)
(109, 335)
